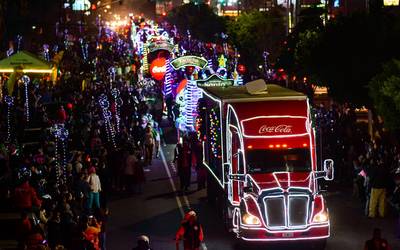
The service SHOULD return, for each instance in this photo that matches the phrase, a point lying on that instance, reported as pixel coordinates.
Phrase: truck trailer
(260, 152)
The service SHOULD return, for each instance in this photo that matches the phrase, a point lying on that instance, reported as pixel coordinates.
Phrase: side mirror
(329, 170)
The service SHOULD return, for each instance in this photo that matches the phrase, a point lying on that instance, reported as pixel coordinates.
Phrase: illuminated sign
(266, 126)
(160, 45)
(282, 128)
(81, 5)
(185, 61)
(158, 68)
(391, 2)
(215, 81)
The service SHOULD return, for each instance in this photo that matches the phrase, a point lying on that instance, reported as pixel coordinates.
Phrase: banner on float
(185, 61)
(215, 81)
(160, 45)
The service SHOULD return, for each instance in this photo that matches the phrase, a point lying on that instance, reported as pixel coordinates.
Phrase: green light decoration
(215, 133)
(215, 81)
(185, 61)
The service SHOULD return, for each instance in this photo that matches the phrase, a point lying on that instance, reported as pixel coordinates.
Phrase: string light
(168, 79)
(191, 96)
(19, 39)
(10, 102)
(46, 54)
(26, 81)
(60, 134)
(104, 104)
(214, 133)
(118, 104)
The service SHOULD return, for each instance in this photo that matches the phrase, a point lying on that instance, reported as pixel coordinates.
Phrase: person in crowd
(129, 170)
(377, 242)
(95, 189)
(190, 231)
(379, 177)
(25, 197)
(92, 231)
(143, 243)
(148, 145)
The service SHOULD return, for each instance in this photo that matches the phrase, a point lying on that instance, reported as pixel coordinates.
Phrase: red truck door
(234, 157)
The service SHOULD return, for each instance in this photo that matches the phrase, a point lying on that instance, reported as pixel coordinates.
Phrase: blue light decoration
(46, 53)
(210, 66)
(19, 40)
(60, 134)
(168, 79)
(10, 51)
(215, 132)
(84, 48)
(191, 96)
(10, 102)
(104, 105)
(26, 80)
(111, 73)
(118, 104)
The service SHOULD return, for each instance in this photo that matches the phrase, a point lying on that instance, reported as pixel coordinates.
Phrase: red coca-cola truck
(261, 155)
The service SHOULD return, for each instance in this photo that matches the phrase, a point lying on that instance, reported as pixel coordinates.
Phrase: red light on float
(250, 146)
(284, 145)
(158, 68)
(241, 69)
(305, 145)
(271, 146)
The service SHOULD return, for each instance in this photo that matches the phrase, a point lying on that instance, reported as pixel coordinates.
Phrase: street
(157, 213)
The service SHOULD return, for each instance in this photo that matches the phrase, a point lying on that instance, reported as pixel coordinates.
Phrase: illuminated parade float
(259, 148)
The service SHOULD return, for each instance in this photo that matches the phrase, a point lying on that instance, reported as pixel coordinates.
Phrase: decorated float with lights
(259, 147)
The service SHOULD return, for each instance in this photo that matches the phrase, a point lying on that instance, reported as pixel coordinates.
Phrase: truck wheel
(319, 245)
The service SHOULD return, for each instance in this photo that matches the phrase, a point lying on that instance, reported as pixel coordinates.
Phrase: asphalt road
(158, 211)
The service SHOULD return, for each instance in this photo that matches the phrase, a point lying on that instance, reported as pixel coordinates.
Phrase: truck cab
(269, 165)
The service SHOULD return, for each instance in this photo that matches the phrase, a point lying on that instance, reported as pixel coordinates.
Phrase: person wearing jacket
(95, 189)
(379, 177)
(377, 242)
(26, 197)
(190, 231)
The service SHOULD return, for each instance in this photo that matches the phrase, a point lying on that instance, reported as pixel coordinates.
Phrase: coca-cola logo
(282, 128)
(157, 69)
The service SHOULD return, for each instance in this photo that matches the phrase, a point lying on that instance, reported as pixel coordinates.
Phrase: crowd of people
(61, 188)
(371, 165)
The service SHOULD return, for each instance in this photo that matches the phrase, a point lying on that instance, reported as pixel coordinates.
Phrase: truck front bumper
(313, 232)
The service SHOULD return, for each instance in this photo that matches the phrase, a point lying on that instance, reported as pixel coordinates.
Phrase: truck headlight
(250, 219)
(321, 217)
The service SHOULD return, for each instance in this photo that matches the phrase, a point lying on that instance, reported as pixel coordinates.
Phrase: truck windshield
(284, 160)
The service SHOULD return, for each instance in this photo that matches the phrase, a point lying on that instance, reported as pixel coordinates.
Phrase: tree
(255, 32)
(309, 21)
(385, 92)
(199, 19)
(349, 52)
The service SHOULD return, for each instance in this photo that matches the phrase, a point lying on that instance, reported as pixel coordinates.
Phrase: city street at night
(199, 125)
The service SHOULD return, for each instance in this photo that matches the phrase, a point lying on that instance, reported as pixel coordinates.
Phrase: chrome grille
(275, 211)
(298, 210)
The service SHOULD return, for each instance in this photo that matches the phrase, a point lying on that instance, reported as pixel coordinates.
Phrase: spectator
(377, 243)
(148, 146)
(379, 177)
(26, 197)
(143, 243)
(95, 189)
